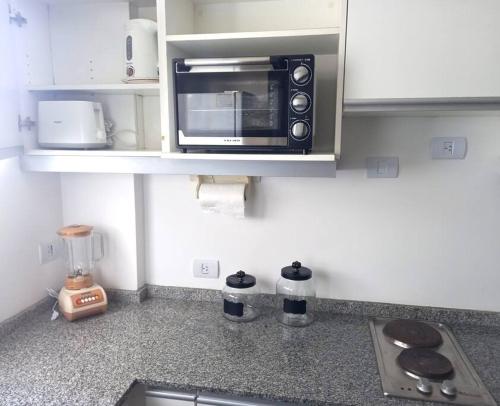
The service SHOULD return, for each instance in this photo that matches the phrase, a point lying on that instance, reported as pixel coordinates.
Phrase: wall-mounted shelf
(93, 153)
(157, 165)
(314, 157)
(318, 41)
(144, 89)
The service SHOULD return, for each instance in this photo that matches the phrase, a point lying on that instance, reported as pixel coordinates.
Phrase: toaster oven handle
(258, 60)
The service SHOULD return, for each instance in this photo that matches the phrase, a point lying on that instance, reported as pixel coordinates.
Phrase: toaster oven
(248, 104)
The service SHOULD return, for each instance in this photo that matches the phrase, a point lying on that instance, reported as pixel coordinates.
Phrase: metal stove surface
(395, 382)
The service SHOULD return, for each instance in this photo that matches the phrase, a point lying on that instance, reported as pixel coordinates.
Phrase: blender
(80, 296)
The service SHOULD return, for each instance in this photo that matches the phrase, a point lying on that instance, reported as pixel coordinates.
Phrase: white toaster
(71, 124)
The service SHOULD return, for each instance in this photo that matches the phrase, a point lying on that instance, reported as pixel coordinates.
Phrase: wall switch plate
(382, 167)
(206, 268)
(448, 147)
(49, 251)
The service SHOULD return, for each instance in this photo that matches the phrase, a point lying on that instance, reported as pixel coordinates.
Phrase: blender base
(78, 303)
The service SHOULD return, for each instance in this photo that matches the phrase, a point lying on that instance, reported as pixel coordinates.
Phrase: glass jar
(240, 297)
(295, 295)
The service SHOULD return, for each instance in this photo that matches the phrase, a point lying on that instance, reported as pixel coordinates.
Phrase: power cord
(113, 136)
(52, 293)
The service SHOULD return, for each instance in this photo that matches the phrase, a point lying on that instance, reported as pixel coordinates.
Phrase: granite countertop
(188, 345)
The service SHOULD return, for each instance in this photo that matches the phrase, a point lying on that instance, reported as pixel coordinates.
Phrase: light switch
(382, 167)
(448, 147)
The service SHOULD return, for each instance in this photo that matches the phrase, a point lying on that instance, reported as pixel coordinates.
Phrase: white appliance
(141, 50)
(71, 124)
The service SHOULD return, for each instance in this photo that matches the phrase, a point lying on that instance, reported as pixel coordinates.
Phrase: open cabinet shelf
(319, 41)
(143, 89)
(192, 166)
(315, 157)
(245, 28)
(94, 152)
(66, 54)
(69, 55)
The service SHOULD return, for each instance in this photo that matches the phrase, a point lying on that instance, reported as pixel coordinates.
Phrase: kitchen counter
(188, 345)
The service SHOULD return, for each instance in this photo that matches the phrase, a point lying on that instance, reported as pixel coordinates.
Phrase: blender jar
(240, 297)
(295, 295)
(82, 247)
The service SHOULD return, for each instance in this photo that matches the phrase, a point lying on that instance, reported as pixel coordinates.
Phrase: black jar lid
(240, 280)
(296, 272)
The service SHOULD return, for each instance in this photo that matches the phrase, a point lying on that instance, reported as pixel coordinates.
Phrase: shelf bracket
(27, 123)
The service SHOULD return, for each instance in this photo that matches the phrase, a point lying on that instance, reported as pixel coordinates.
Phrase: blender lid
(240, 280)
(75, 230)
(296, 272)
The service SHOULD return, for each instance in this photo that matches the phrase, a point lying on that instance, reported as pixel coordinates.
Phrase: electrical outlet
(448, 147)
(48, 252)
(206, 268)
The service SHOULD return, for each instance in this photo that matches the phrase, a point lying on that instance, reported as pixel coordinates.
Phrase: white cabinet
(76, 51)
(228, 28)
(9, 97)
(422, 49)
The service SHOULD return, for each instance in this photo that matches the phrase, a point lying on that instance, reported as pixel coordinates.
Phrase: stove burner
(412, 334)
(425, 363)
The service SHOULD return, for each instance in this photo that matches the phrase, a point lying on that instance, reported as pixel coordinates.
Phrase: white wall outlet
(206, 268)
(49, 251)
(382, 167)
(448, 147)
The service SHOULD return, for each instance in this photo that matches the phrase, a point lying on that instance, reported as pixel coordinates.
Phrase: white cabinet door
(9, 96)
(404, 49)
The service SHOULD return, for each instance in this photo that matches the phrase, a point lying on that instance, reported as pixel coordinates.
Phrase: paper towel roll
(226, 198)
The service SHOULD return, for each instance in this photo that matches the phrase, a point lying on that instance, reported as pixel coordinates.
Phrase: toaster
(71, 124)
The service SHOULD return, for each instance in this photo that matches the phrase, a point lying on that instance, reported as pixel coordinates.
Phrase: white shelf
(145, 89)
(157, 165)
(93, 153)
(251, 157)
(139, 3)
(318, 41)
(313, 157)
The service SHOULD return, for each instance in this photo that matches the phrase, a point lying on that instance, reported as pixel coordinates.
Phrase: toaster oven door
(232, 108)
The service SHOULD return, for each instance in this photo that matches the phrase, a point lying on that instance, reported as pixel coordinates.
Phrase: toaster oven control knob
(301, 75)
(448, 388)
(300, 102)
(424, 386)
(300, 130)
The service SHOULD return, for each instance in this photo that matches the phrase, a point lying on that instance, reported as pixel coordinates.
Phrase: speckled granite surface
(188, 345)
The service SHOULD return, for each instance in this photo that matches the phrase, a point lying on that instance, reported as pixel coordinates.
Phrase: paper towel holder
(221, 179)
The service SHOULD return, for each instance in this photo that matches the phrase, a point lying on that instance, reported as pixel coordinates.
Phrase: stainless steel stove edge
(400, 388)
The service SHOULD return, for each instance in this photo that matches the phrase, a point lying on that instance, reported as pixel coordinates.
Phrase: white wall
(430, 237)
(109, 202)
(30, 212)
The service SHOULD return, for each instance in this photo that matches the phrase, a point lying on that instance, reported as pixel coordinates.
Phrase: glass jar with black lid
(295, 295)
(240, 297)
